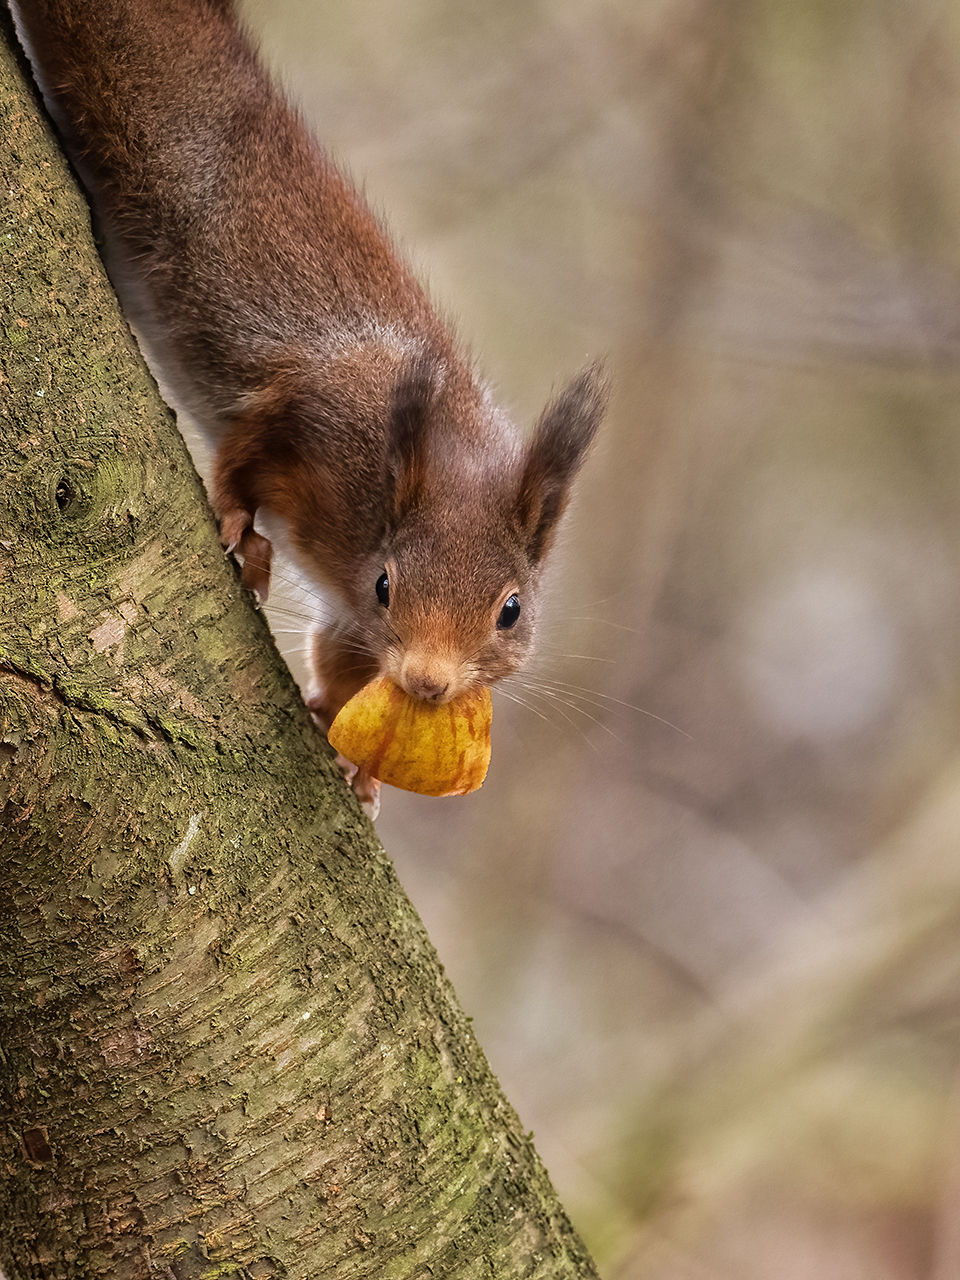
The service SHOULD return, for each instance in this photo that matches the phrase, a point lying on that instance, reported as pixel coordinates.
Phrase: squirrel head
(453, 589)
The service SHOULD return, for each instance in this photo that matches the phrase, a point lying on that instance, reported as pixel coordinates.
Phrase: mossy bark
(227, 1048)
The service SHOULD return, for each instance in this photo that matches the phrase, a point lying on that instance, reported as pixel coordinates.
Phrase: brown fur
(284, 321)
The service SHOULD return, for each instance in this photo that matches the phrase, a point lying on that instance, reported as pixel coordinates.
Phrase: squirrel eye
(509, 613)
(383, 590)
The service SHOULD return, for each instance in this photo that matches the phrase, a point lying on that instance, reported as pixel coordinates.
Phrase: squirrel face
(443, 633)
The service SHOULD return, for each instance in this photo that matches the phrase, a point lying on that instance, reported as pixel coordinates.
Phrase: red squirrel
(273, 304)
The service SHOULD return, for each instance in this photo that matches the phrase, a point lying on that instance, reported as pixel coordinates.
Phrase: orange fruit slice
(415, 745)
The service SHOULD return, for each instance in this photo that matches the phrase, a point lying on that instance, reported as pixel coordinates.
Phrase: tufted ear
(408, 427)
(555, 455)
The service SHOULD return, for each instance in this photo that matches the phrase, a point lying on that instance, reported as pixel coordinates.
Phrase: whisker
(574, 706)
(587, 657)
(563, 686)
(527, 706)
(287, 574)
(289, 614)
(546, 689)
(610, 599)
(607, 623)
(554, 707)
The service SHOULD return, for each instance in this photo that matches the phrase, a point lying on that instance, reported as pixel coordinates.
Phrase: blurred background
(706, 909)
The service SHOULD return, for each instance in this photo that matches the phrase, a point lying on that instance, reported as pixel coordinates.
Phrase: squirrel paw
(367, 790)
(365, 787)
(238, 534)
(316, 705)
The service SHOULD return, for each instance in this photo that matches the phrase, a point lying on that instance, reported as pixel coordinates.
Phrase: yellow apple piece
(437, 750)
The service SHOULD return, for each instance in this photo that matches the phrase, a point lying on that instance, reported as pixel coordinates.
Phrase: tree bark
(227, 1048)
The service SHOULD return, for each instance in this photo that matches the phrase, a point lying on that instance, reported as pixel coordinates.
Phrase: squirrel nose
(426, 676)
(424, 687)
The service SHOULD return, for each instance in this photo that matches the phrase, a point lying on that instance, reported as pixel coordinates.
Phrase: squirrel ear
(413, 397)
(555, 454)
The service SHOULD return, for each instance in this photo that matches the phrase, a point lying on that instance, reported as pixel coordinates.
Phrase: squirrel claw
(347, 768)
(363, 785)
(238, 535)
(367, 791)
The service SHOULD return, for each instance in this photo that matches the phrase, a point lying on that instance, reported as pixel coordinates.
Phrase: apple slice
(437, 750)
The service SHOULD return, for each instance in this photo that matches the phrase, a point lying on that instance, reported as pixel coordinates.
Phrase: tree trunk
(227, 1048)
